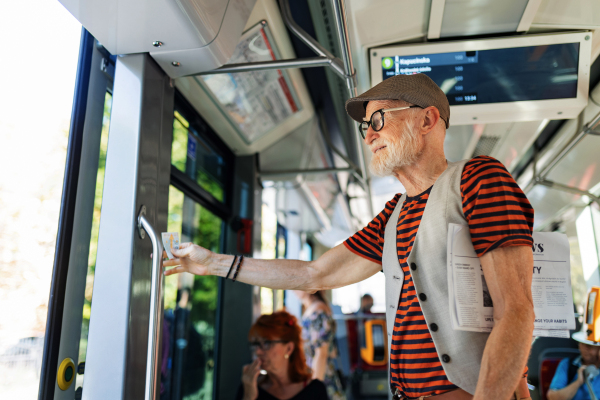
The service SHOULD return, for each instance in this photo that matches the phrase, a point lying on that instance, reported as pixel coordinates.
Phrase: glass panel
(266, 300)
(190, 307)
(194, 156)
(35, 112)
(89, 283)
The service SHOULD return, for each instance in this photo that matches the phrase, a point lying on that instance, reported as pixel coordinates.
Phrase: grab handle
(152, 366)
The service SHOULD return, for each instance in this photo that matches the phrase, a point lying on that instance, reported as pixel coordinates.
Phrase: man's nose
(371, 135)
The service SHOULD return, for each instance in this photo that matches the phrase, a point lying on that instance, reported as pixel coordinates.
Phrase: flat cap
(417, 89)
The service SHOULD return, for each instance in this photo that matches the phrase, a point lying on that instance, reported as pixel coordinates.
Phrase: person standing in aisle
(318, 334)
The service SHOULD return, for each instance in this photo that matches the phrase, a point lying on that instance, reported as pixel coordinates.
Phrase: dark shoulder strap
(572, 371)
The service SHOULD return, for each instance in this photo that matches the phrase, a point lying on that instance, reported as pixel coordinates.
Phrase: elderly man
(403, 120)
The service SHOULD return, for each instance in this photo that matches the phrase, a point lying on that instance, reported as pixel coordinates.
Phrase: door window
(89, 282)
(189, 329)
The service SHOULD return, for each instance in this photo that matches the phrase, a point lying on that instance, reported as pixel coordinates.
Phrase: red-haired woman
(277, 344)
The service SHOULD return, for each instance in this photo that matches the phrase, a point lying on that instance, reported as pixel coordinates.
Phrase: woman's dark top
(315, 390)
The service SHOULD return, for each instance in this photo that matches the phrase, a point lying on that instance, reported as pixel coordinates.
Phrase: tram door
(138, 149)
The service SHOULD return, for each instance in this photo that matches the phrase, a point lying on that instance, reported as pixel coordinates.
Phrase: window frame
(189, 186)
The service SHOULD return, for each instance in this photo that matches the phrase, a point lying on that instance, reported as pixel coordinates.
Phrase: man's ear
(430, 118)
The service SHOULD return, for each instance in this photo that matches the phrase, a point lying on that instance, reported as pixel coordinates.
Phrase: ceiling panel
(581, 166)
(467, 18)
(584, 13)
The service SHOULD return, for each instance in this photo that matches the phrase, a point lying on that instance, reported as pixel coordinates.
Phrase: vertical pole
(339, 10)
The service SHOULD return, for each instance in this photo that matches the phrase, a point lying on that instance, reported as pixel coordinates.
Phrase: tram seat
(548, 361)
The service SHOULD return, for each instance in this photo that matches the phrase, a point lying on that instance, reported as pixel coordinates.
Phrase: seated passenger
(276, 343)
(568, 382)
(366, 303)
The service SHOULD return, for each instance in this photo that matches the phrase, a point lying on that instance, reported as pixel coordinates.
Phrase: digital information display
(496, 76)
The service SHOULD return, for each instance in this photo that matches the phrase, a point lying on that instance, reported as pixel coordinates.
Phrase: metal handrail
(593, 124)
(539, 177)
(309, 41)
(309, 62)
(152, 365)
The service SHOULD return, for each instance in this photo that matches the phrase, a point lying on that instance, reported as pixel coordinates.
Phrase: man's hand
(189, 258)
(580, 377)
(569, 391)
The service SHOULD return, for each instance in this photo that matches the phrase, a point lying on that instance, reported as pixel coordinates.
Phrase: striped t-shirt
(498, 214)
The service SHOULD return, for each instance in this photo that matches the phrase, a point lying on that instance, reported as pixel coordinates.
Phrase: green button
(69, 374)
(387, 62)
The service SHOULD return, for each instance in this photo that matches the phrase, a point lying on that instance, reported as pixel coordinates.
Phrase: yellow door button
(66, 374)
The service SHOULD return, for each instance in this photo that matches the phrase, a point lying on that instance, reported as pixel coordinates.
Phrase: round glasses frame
(379, 122)
(264, 345)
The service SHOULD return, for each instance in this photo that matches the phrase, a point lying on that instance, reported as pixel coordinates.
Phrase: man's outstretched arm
(336, 268)
(508, 273)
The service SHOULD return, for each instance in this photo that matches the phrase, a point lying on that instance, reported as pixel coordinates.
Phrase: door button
(422, 296)
(445, 358)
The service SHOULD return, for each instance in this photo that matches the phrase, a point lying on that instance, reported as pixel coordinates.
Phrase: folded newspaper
(471, 306)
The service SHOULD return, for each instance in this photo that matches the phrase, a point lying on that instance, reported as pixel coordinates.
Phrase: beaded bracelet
(230, 268)
(238, 268)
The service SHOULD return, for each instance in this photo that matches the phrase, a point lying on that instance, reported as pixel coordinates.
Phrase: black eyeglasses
(264, 345)
(377, 121)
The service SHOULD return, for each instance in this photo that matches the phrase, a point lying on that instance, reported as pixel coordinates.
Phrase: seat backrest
(547, 370)
(549, 360)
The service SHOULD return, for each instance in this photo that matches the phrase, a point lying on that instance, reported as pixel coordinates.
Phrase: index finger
(171, 263)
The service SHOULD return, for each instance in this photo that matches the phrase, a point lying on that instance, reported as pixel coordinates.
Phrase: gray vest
(460, 352)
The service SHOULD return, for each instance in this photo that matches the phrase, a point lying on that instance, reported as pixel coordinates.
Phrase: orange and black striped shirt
(498, 214)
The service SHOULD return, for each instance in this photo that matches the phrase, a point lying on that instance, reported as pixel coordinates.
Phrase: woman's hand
(189, 258)
(249, 380)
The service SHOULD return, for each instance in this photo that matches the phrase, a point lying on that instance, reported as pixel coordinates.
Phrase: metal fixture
(275, 64)
(540, 178)
(318, 171)
(342, 67)
(154, 321)
(340, 22)
(175, 63)
(157, 43)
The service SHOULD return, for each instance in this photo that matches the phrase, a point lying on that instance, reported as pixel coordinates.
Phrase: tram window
(89, 283)
(191, 305)
(196, 156)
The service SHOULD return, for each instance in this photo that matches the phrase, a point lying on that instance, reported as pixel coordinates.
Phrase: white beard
(400, 151)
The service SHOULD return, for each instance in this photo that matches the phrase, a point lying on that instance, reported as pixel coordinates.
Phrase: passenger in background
(366, 302)
(318, 333)
(277, 345)
(568, 382)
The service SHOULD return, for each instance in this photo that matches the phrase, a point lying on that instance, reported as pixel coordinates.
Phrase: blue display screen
(496, 76)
